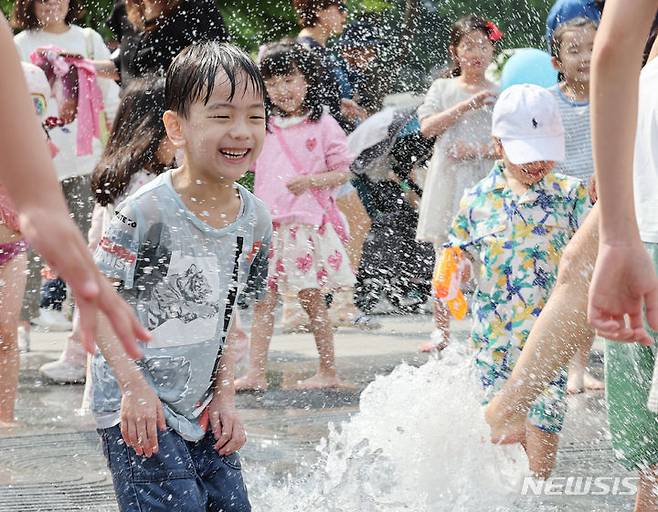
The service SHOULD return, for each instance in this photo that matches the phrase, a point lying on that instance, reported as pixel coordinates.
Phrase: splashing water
(419, 443)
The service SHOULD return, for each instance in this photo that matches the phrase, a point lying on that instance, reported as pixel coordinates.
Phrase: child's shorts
(183, 476)
(547, 411)
(628, 371)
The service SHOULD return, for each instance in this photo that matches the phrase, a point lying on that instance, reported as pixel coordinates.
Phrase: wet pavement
(54, 462)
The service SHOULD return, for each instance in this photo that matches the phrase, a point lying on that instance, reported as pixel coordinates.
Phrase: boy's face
(530, 173)
(223, 138)
(527, 174)
(576, 54)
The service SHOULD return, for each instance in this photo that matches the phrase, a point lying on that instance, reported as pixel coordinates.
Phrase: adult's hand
(56, 238)
(27, 172)
(624, 284)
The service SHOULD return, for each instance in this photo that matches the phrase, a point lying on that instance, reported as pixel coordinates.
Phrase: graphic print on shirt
(183, 296)
(183, 306)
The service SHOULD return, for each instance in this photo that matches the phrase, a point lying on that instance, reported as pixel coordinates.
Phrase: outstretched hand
(57, 240)
(624, 286)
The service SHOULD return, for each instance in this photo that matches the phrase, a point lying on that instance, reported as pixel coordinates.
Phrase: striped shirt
(578, 161)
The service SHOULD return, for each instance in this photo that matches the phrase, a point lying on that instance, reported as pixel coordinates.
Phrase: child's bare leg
(541, 448)
(560, 330)
(312, 300)
(579, 377)
(12, 275)
(647, 491)
(359, 221)
(441, 325)
(261, 334)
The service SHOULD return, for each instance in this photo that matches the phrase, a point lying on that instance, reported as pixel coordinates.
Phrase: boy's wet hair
(287, 57)
(192, 74)
(573, 24)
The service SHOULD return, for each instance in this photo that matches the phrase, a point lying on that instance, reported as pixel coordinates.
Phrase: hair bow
(495, 34)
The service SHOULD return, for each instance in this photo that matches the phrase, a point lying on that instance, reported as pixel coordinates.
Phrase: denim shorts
(183, 476)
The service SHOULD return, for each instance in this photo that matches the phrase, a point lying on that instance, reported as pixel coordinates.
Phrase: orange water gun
(447, 280)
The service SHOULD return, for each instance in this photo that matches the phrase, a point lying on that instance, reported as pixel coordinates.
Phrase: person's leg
(294, 318)
(647, 491)
(441, 334)
(221, 477)
(12, 288)
(359, 222)
(633, 427)
(580, 378)
(558, 333)
(312, 300)
(261, 334)
(30, 309)
(164, 482)
(71, 366)
(80, 202)
(541, 448)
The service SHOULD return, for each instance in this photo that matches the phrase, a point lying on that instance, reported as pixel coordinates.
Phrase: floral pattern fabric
(518, 240)
(303, 256)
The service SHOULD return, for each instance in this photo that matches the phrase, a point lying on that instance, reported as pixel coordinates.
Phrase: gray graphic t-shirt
(184, 279)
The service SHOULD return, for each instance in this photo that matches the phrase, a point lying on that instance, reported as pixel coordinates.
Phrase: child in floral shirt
(516, 222)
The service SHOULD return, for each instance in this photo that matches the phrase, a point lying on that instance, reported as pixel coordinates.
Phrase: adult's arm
(27, 172)
(624, 280)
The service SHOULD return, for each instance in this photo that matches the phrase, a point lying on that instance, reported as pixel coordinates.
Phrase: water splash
(419, 443)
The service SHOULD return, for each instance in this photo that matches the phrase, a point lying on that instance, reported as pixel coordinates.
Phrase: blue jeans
(182, 477)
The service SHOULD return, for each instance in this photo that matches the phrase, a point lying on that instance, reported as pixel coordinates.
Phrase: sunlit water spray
(419, 443)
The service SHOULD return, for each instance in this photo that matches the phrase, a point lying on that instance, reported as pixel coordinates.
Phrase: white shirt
(74, 40)
(645, 173)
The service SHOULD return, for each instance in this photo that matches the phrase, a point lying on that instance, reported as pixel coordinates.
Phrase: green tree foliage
(416, 30)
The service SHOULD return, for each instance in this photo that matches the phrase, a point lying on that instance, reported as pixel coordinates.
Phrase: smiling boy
(182, 250)
(516, 223)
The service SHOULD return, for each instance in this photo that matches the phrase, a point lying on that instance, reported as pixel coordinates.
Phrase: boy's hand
(624, 282)
(297, 186)
(226, 426)
(141, 418)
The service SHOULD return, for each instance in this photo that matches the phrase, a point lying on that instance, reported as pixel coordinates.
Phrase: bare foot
(592, 382)
(251, 382)
(430, 346)
(507, 426)
(576, 381)
(10, 424)
(320, 381)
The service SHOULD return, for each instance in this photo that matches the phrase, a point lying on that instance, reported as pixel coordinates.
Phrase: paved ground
(54, 462)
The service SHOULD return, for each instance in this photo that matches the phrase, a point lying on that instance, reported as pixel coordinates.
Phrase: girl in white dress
(457, 111)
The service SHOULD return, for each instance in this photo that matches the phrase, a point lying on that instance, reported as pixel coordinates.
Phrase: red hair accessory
(495, 34)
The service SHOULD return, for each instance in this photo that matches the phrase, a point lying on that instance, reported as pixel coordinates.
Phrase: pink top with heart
(319, 146)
